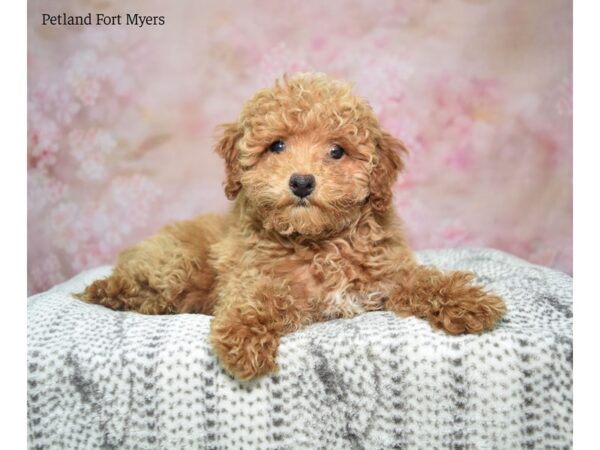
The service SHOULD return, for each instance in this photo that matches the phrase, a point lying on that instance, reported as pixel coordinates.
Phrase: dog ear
(227, 148)
(385, 172)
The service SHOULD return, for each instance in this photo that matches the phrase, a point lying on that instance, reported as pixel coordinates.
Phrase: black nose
(302, 185)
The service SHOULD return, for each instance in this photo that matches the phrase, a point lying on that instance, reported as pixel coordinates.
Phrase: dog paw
(449, 301)
(245, 352)
(472, 312)
(107, 292)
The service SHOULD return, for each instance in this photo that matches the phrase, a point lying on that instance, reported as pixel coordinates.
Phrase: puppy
(312, 234)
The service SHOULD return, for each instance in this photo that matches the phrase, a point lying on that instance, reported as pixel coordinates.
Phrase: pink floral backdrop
(121, 118)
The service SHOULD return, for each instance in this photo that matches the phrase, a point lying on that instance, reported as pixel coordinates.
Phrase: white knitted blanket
(114, 380)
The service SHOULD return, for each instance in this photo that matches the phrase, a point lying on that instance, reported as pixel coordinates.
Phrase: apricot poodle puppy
(312, 234)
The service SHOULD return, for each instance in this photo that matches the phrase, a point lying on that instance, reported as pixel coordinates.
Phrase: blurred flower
(43, 190)
(43, 144)
(91, 149)
(51, 100)
(46, 272)
(564, 101)
(279, 60)
(82, 73)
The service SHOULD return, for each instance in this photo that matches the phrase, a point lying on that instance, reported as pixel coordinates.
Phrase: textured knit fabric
(118, 380)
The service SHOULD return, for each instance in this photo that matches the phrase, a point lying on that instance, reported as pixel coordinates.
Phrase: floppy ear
(227, 148)
(385, 172)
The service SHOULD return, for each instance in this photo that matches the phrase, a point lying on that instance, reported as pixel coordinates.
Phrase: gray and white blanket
(118, 380)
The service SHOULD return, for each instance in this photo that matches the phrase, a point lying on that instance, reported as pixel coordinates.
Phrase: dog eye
(277, 146)
(337, 152)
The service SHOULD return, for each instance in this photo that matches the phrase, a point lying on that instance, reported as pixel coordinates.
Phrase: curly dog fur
(282, 258)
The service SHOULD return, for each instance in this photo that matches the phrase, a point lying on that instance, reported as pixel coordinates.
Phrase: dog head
(309, 156)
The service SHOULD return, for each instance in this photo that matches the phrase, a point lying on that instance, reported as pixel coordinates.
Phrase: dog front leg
(246, 331)
(448, 300)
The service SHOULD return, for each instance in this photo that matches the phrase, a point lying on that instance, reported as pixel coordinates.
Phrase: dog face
(309, 156)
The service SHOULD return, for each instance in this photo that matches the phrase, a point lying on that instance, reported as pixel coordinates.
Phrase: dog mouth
(294, 203)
